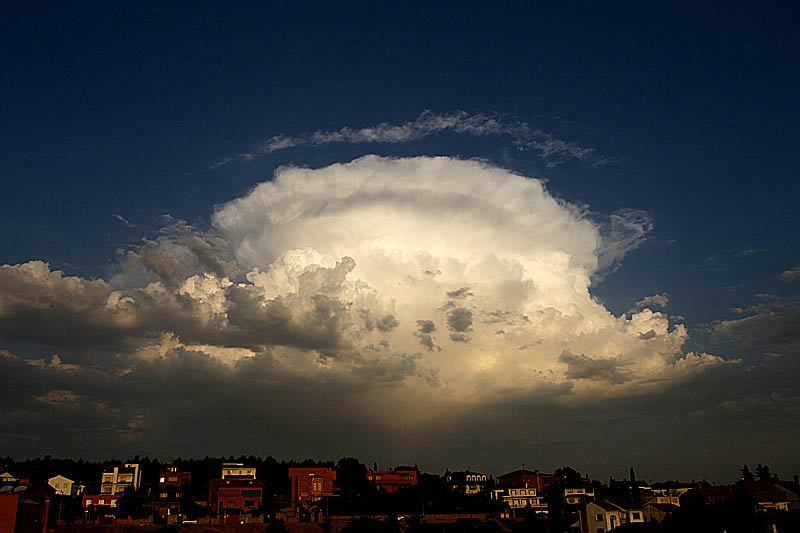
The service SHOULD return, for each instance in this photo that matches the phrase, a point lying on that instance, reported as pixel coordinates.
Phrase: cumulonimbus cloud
(452, 278)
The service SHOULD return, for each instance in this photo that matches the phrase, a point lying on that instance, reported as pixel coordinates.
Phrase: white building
(64, 486)
(524, 498)
(578, 495)
(237, 471)
(119, 479)
(600, 517)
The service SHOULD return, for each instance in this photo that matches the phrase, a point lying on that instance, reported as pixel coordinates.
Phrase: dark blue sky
(113, 108)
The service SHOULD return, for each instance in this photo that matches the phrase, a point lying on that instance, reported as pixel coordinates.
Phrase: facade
(92, 502)
(467, 482)
(235, 496)
(393, 480)
(309, 485)
(119, 478)
(767, 496)
(658, 512)
(578, 495)
(525, 478)
(236, 491)
(667, 493)
(603, 516)
(171, 475)
(524, 498)
(172, 483)
(237, 471)
(23, 509)
(65, 486)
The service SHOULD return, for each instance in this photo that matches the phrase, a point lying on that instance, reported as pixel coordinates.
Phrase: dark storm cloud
(424, 332)
(387, 323)
(772, 325)
(580, 366)
(47, 307)
(463, 292)
(459, 320)
(178, 252)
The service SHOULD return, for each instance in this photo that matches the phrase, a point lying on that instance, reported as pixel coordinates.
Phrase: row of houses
(237, 494)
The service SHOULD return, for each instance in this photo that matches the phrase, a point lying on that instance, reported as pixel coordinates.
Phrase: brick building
(311, 484)
(24, 509)
(236, 491)
(393, 480)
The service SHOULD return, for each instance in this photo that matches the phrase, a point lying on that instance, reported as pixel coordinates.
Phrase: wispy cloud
(552, 149)
(127, 223)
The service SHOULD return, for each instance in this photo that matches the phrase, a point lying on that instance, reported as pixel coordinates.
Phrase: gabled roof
(765, 491)
(608, 506)
(623, 504)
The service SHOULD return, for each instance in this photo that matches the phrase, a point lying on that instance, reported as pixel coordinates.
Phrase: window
(599, 517)
(248, 503)
(162, 495)
(636, 516)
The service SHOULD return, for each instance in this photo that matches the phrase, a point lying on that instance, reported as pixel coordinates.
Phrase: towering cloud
(381, 283)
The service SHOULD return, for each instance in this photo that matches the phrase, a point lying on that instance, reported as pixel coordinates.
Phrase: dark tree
(763, 473)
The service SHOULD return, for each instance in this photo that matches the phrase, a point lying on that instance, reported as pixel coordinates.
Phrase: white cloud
(651, 302)
(788, 276)
(448, 280)
(552, 149)
(507, 256)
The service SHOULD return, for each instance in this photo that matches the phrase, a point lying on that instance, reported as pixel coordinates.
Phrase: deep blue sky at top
(111, 108)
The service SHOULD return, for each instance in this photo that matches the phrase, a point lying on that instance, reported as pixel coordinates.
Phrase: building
(578, 495)
(525, 478)
(467, 482)
(237, 471)
(113, 484)
(707, 496)
(99, 503)
(65, 486)
(7, 479)
(118, 479)
(236, 496)
(524, 499)
(309, 485)
(237, 491)
(602, 516)
(766, 496)
(171, 475)
(23, 509)
(172, 485)
(668, 493)
(658, 512)
(393, 480)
